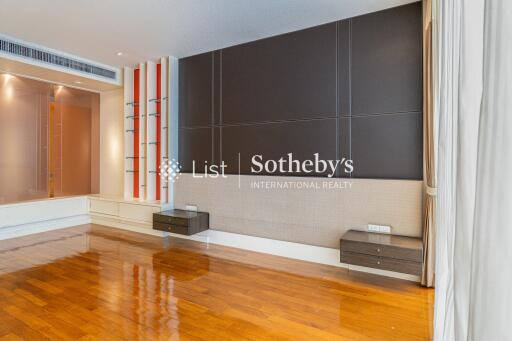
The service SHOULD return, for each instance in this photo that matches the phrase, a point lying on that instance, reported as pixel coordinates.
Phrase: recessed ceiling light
(119, 53)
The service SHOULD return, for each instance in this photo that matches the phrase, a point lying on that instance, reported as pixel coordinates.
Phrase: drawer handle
(378, 262)
(378, 250)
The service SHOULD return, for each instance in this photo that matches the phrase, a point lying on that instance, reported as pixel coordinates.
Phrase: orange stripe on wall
(136, 82)
(158, 126)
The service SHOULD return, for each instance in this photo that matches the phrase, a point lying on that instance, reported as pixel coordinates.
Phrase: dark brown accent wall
(348, 89)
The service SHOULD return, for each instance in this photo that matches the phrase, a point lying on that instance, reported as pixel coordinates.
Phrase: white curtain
(473, 105)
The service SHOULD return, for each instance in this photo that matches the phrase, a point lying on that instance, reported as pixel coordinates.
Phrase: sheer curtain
(472, 80)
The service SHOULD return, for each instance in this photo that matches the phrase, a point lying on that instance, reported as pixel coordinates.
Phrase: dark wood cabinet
(382, 251)
(181, 221)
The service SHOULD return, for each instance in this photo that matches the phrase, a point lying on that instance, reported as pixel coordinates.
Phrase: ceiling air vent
(40, 55)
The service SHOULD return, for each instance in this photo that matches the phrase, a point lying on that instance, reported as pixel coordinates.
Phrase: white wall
(111, 143)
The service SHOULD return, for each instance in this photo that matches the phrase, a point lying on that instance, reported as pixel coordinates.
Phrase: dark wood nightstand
(181, 221)
(382, 251)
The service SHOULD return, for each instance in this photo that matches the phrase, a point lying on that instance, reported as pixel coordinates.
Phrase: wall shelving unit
(149, 136)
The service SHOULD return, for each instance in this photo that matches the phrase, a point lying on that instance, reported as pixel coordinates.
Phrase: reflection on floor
(93, 282)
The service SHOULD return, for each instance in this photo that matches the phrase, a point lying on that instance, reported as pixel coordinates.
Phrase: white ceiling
(148, 29)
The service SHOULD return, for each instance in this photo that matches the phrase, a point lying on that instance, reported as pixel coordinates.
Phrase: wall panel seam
(337, 97)
(213, 108)
(350, 89)
(220, 107)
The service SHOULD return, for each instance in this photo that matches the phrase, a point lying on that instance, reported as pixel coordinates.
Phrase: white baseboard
(407, 277)
(309, 253)
(125, 224)
(42, 226)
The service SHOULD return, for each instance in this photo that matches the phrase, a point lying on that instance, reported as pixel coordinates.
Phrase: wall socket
(379, 228)
(373, 228)
(385, 229)
(191, 208)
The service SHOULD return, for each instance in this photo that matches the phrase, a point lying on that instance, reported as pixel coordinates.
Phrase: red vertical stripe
(136, 144)
(158, 126)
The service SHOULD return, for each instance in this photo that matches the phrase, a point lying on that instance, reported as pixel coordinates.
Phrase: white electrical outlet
(384, 229)
(373, 228)
(191, 208)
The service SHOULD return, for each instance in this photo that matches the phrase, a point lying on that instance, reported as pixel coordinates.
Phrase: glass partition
(48, 140)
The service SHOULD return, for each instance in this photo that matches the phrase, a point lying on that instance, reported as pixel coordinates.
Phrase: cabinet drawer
(104, 207)
(413, 255)
(170, 220)
(171, 228)
(137, 212)
(383, 263)
(358, 247)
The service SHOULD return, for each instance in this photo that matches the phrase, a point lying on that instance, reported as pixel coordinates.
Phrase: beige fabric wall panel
(310, 216)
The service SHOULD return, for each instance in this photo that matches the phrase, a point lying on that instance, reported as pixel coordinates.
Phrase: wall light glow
(7, 78)
(114, 146)
(9, 92)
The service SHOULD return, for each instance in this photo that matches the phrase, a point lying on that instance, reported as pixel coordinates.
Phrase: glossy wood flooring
(95, 283)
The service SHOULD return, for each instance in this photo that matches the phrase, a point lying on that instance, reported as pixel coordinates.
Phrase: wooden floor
(95, 283)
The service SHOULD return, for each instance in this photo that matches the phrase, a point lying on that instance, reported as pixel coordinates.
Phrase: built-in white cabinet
(115, 211)
(104, 207)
